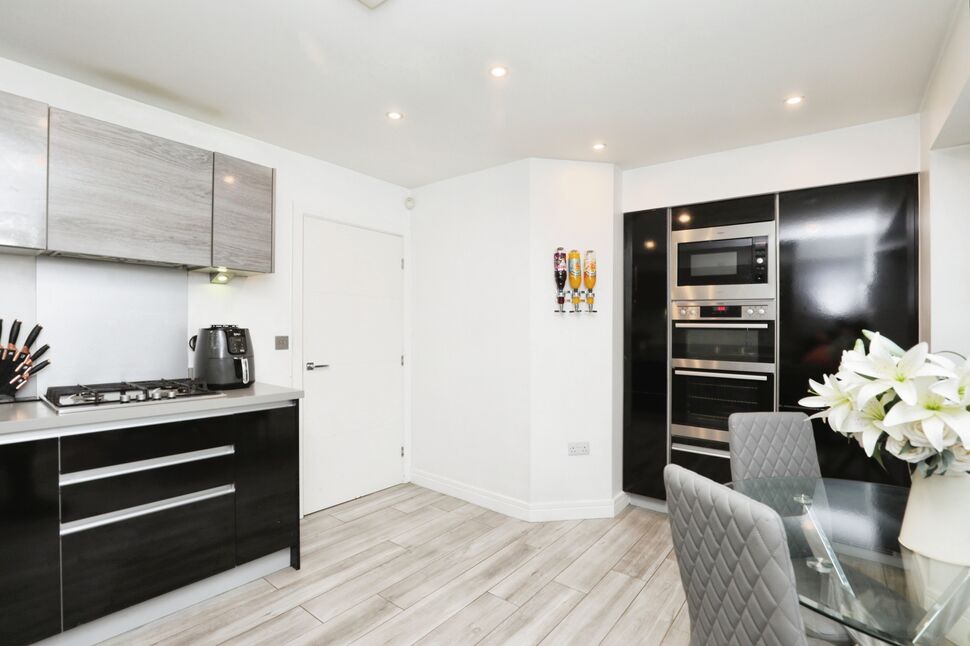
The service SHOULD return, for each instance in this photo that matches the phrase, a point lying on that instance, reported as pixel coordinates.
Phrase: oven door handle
(724, 326)
(720, 375)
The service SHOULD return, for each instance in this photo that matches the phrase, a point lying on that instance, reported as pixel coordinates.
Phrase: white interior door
(353, 420)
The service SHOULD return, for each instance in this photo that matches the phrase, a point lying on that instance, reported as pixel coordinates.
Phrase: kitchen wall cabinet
(29, 542)
(645, 374)
(242, 215)
(23, 173)
(119, 193)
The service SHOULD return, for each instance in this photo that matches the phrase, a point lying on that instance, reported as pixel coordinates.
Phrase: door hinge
(402, 451)
(402, 359)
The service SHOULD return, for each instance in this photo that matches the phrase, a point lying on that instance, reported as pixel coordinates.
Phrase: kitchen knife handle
(40, 352)
(33, 356)
(37, 367)
(14, 332)
(34, 333)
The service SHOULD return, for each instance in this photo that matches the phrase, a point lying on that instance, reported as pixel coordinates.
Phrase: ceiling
(656, 80)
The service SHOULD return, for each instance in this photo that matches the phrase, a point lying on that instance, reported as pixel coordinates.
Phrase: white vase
(937, 519)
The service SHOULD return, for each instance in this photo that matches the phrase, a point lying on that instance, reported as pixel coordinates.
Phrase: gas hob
(80, 397)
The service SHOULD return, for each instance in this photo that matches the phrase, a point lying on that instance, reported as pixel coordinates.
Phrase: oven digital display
(721, 311)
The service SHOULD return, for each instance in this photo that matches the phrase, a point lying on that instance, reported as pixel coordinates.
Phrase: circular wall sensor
(409, 203)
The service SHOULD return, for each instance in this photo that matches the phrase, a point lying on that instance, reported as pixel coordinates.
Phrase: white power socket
(579, 448)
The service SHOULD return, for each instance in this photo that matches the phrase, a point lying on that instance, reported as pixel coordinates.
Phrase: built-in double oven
(722, 362)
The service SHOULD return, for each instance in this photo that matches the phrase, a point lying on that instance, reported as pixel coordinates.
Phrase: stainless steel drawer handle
(714, 453)
(143, 510)
(720, 375)
(724, 326)
(313, 366)
(114, 470)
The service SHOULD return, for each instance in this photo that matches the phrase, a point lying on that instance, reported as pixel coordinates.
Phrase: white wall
(471, 385)
(571, 205)
(502, 383)
(268, 305)
(872, 150)
(949, 238)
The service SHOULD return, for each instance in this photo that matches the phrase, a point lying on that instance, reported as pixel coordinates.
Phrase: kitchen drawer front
(107, 494)
(114, 566)
(97, 450)
(710, 463)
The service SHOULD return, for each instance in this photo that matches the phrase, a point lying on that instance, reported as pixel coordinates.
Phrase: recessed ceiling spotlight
(395, 116)
(683, 218)
(599, 146)
(499, 71)
(794, 100)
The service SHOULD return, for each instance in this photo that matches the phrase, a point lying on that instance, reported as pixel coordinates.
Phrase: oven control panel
(753, 311)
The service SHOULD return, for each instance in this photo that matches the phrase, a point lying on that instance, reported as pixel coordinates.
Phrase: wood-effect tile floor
(411, 566)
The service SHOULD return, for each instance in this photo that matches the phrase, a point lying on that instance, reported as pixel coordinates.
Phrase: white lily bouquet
(910, 403)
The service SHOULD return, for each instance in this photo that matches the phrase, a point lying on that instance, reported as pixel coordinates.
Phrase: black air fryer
(224, 357)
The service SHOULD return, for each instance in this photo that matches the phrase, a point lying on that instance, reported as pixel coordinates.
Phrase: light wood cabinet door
(242, 215)
(23, 172)
(119, 193)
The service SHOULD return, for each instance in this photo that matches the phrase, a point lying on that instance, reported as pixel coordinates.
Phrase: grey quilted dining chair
(734, 564)
(772, 445)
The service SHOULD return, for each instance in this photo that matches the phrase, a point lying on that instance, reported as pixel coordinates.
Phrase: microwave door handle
(720, 375)
(724, 326)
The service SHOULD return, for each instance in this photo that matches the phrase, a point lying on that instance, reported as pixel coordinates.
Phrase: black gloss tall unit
(848, 261)
(645, 370)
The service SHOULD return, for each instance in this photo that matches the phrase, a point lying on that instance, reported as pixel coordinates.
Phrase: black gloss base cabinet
(51, 582)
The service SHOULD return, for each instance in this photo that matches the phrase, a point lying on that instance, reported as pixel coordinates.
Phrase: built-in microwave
(726, 262)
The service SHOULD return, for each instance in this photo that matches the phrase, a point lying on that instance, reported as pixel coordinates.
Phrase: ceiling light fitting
(395, 116)
(499, 71)
(794, 100)
(599, 146)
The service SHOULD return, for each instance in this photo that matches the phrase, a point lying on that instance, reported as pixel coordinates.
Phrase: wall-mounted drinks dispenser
(577, 270)
(559, 272)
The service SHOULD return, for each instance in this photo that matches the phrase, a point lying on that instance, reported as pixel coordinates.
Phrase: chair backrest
(772, 445)
(734, 564)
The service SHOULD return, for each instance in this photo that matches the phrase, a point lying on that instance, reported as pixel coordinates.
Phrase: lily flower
(957, 387)
(889, 372)
(867, 424)
(936, 416)
(834, 395)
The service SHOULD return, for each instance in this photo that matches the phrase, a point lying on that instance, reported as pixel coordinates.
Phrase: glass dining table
(843, 537)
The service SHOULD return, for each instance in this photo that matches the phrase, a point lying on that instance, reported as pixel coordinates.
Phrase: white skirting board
(518, 508)
(148, 611)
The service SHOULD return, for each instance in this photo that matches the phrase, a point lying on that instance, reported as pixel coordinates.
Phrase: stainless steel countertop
(23, 421)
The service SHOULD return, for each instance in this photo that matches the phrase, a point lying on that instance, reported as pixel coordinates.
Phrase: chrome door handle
(313, 366)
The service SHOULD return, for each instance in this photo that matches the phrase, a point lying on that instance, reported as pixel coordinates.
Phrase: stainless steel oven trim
(724, 326)
(735, 366)
(125, 468)
(700, 450)
(143, 510)
(722, 375)
(764, 290)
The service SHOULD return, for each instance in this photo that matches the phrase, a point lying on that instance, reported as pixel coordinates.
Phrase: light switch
(282, 343)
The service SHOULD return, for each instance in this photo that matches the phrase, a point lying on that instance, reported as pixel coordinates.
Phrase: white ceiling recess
(654, 80)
